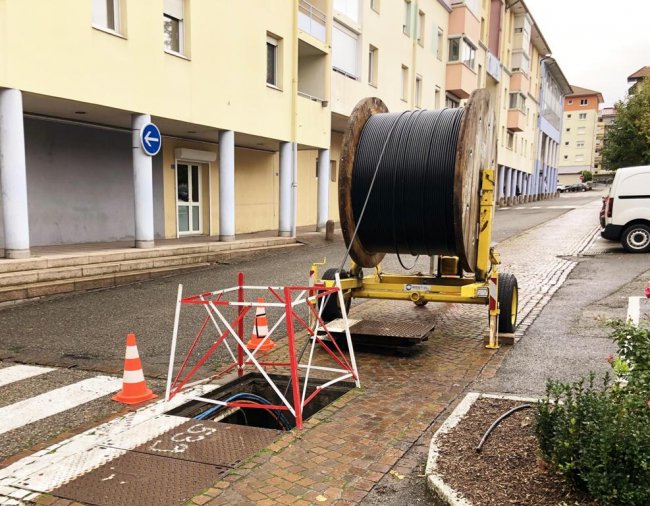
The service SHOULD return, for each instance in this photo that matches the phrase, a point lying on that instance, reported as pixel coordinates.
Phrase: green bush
(598, 436)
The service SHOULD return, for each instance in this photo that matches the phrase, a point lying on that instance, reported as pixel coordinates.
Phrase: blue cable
(249, 397)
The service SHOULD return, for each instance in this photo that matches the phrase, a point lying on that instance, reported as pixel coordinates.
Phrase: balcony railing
(312, 20)
(493, 67)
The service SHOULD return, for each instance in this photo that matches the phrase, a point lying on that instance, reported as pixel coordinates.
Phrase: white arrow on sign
(148, 139)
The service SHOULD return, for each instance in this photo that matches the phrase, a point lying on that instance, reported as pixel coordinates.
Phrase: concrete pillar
(508, 198)
(323, 188)
(524, 188)
(13, 174)
(520, 185)
(286, 175)
(501, 184)
(226, 185)
(142, 185)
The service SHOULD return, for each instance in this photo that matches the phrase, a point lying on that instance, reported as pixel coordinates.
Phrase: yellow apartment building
(250, 109)
(577, 152)
(235, 101)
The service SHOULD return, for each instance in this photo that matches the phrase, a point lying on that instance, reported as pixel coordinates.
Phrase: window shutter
(174, 8)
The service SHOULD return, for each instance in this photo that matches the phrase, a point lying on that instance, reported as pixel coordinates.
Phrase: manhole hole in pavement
(253, 388)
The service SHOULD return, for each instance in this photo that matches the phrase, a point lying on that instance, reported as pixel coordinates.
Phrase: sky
(597, 43)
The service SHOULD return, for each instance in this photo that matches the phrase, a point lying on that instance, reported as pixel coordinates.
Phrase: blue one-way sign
(150, 139)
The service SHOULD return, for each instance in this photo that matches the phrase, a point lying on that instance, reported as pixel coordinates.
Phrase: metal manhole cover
(141, 479)
(208, 442)
(392, 329)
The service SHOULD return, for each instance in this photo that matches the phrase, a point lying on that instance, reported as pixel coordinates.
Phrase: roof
(639, 74)
(557, 73)
(579, 91)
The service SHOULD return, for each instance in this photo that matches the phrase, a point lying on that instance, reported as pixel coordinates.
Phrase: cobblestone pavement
(363, 445)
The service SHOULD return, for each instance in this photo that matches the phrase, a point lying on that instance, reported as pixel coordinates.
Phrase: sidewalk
(364, 440)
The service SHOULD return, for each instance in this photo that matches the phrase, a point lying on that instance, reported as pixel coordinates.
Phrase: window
(570, 102)
(344, 51)
(461, 49)
(510, 139)
(566, 157)
(517, 101)
(272, 67)
(568, 129)
(173, 26)
(566, 143)
(584, 101)
(375, 5)
(372, 65)
(454, 49)
(582, 115)
(439, 45)
(408, 16)
(437, 98)
(580, 144)
(333, 171)
(581, 130)
(421, 21)
(580, 158)
(405, 82)
(568, 116)
(418, 91)
(451, 102)
(106, 14)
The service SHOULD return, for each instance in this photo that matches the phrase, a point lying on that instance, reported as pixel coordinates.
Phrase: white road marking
(55, 401)
(19, 372)
(62, 462)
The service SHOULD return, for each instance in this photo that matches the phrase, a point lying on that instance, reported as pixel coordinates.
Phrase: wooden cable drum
(409, 182)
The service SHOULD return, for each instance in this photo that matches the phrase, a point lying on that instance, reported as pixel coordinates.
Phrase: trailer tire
(332, 309)
(508, 303)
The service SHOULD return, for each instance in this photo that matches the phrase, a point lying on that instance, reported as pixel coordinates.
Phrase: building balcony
(516, 120)
(493, 67)
(313, 115)
(463, 21)
(519, 82)
(460, 80)
(312, 21)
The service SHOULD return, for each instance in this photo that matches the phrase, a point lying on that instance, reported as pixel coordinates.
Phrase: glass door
(188, 202)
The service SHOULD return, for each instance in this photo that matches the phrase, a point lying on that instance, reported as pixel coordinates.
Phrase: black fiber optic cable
(410, 208)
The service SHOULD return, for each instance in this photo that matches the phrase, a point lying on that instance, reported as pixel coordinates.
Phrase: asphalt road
(87, 331)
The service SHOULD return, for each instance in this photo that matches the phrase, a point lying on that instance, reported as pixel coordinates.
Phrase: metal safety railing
(312, 20)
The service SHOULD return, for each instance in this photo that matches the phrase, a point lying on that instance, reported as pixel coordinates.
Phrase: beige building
(606, 118)
(251, 114)
(577, 152)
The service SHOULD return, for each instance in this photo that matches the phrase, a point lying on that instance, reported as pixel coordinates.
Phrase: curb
(435, 482)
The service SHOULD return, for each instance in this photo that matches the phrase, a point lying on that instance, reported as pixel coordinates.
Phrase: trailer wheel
(508, 303)
(332, 309)
(421, 302)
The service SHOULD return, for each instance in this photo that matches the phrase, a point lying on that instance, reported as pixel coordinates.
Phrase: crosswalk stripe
(66, 460)
(56, 401)
(20, 372)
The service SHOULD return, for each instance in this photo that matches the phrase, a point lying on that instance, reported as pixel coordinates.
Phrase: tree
(586, 176)
(628, 138)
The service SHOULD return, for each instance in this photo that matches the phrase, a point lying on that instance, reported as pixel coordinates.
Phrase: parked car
(562, 188)
(625, 214)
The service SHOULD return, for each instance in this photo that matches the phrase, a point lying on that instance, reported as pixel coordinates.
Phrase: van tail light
(610, 206)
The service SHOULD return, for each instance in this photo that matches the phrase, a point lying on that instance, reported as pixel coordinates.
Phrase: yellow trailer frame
(419, 288)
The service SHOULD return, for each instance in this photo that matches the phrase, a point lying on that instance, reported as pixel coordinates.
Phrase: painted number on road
(192, 434)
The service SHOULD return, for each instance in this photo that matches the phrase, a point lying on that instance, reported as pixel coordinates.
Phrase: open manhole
(253, 387)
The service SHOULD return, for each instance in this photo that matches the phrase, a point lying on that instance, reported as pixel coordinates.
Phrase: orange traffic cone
(260, 330)
(134, 389)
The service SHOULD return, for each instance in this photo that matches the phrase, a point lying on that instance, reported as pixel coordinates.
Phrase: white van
(625, 215)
